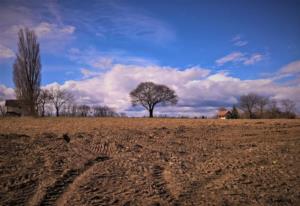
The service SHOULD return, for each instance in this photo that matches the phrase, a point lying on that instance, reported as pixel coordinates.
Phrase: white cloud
(200, 92)
(238, 41)
(88, 73)
(6, 52)
(45, 30)
(291, 68)
(105, 60)
(110, 18)
(232, 57)
(243, 58)
(6, 93)
(102, 62)
(52, 32)
(253, 59)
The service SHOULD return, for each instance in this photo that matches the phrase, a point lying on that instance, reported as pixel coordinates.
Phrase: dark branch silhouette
(148, 95)
(248, 103)
(59, 98)
(27, 69)
(43, 99)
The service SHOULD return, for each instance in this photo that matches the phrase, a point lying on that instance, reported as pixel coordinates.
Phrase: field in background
(136, 161)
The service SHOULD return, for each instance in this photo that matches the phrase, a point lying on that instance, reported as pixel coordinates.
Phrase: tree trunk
(57, 112)
(151, 113)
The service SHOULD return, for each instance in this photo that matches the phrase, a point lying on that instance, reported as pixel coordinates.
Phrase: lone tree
(27, 69)
(149, 94)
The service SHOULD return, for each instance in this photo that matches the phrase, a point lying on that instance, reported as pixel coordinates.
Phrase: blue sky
(227, 42)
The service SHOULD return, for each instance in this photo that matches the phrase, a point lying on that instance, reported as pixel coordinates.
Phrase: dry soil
(135, 161)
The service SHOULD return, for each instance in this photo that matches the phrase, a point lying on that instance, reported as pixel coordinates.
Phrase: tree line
(61, 103)
(255, 106)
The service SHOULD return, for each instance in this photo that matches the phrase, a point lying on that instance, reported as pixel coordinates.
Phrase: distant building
(224, 114)
(15, 107)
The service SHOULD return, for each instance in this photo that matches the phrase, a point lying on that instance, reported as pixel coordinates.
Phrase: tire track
(55, 191)
(161, 186)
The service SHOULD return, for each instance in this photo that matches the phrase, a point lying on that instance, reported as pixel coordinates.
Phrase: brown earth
(102, 161)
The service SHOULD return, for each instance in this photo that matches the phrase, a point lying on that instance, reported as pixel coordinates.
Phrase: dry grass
(121, 161)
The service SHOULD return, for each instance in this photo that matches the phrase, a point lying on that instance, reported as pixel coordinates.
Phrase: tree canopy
(149, 94)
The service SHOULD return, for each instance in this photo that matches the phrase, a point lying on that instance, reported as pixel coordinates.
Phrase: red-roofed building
(224, 114)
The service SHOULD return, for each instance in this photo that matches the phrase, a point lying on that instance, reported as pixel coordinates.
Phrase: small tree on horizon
(149, 94)
(234, 113)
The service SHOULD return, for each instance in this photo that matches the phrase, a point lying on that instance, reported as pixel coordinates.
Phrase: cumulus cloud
(201, 92)
(239, 57)
(6, 93)
(6, 52)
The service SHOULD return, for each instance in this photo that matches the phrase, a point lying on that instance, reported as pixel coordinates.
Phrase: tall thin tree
(27, 69)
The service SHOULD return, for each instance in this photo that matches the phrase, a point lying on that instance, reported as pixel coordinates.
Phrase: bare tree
(2, 110)
(148, 95)
(289, 108)
(83, 110)
(273, 109)
(27, 69)
(43, 99)
(60, 97)
(66, 109)
(262, 102)
(248, 102)
(74, 110)
(104, 111)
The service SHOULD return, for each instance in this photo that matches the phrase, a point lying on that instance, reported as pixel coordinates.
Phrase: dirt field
(90, 161)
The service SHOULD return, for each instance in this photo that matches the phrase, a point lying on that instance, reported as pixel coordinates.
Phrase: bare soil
(135, 161)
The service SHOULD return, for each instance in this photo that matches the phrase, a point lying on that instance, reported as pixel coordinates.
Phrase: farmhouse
(15, 107)
(224, 114)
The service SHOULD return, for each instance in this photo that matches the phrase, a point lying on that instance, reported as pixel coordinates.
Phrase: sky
(210, 52)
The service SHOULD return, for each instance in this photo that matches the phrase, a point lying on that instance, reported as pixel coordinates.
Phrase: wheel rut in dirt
(59, 187)
(161, 186)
